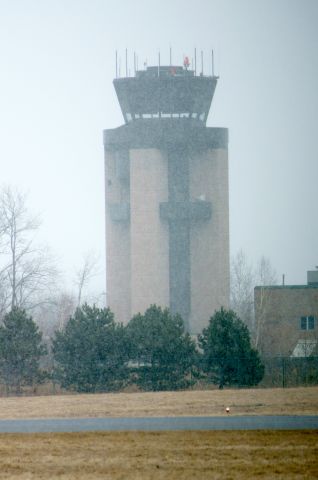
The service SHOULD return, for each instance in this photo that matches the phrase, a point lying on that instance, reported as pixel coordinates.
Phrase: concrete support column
(149, 236)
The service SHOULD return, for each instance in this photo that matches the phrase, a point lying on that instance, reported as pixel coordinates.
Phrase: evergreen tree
(165, 354)
(91, 352)
(228, 356)
(21, 349)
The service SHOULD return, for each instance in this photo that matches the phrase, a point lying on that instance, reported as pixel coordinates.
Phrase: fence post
(238, 373)
(284, 373)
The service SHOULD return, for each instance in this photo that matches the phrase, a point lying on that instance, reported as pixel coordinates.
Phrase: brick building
(286, 318)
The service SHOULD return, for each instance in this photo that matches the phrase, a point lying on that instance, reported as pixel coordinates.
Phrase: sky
(57, 64)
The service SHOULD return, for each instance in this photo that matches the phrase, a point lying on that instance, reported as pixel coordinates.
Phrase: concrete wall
(210, 282)
(137, 250)
(149, 236)
(117, 246)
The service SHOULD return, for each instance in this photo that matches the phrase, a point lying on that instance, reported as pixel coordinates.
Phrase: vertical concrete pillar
(149, 236)
(210, 282)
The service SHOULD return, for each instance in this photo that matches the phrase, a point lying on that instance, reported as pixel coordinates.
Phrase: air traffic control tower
(167, 213)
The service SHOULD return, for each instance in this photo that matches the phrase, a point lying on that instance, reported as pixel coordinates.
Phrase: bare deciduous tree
(83, 275)
(26, 270)
(265, 276)
(244, 277)
(55, 314)
(242, 284)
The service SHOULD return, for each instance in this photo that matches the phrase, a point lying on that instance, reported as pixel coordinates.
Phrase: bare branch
(26, 270)
(88, 270)
(244, 277)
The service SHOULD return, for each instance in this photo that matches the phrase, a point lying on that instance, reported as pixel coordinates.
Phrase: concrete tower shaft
(167, 198)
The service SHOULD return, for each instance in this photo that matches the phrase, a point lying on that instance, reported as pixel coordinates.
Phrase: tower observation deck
(165, 92)
(167, 232)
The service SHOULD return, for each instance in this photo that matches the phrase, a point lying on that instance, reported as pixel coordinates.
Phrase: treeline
(94, 353)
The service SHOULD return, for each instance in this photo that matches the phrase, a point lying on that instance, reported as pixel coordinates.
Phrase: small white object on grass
(227, 409)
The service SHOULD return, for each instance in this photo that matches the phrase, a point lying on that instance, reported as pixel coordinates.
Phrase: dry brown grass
(289, 401)
(163, 455)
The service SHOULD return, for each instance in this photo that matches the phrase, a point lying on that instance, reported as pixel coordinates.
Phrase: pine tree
(165, 354)
(228, 356)
(91, 353)
(21, 349)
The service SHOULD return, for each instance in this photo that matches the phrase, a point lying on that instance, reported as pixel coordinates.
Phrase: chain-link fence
(238, 372)
(289, 371)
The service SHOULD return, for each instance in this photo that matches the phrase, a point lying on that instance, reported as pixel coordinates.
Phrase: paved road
(155, 424)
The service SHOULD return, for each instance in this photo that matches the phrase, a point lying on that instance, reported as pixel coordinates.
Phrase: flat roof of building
(284, 287)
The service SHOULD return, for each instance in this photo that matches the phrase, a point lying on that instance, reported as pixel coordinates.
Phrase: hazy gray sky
(57, 61)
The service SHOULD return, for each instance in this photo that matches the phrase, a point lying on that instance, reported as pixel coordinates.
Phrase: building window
(307, 323)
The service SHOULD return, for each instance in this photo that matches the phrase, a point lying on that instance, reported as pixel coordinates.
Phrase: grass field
(204, 455)
(163, 455)
(299, 401)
